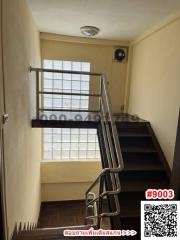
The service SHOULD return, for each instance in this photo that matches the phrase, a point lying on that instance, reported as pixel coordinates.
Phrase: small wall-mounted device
(120, 54)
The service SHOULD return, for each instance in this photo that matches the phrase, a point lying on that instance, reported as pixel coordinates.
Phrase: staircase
(145, 168)
(132, 162)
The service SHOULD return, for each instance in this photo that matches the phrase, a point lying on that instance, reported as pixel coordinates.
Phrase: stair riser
(131, 223)
(157, 176)
(131, 196)
(131, 127)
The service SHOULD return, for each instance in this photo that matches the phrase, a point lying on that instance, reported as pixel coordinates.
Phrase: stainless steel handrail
(110, 137)
(70, 94)
(114, 163)
(114, 129)
(63, 71)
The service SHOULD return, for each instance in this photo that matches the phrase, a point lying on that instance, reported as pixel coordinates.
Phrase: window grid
(78, 145)
(81, 85)
(65, 143)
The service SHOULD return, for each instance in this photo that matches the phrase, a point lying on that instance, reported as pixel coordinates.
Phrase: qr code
(160, 220)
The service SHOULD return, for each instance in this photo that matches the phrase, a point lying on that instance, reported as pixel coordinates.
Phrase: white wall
(155, 83)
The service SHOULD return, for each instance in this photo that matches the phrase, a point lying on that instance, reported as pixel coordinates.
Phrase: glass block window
(66, 83)
(63, 144)
(71, 144)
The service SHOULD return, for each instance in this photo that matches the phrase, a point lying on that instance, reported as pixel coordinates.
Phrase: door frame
(3, 209)
(2, 197)
(175, 176)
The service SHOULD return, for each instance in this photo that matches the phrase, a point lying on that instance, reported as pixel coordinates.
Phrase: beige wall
(98, 53)
(155, 83)
(22, 143)
(64, 191)
(67, 180)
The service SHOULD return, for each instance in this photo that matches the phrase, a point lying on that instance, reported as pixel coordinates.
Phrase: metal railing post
(100, 202)
(114, 130)
(100, 93)
(37, 94)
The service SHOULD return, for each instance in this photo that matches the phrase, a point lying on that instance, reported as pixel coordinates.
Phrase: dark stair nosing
(133, 135)
(137, 150)
(147, 174)
(63, 124)
(143, 186)
(144, 167)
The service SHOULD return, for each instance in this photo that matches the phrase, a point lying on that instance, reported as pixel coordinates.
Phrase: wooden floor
(61, 214)
(66, 213)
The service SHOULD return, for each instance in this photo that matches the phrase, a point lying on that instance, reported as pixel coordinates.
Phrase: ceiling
(117, 19)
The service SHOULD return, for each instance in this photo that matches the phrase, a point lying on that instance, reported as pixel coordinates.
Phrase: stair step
(136, 142)
(142, 175)
(130, 210)
(49, 233)
(142, 161)
(138, 150)
(141, 156)
(143, 180)
(133, 135)
(132, 127)
(131, 196)
(142, 166)
(134, 186)
(131, 223)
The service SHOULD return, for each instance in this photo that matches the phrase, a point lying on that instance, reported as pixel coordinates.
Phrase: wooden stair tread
(133, 186)
(138, 150)
(145, 166)
(130, 196)
(129, 210)
(133, 134)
